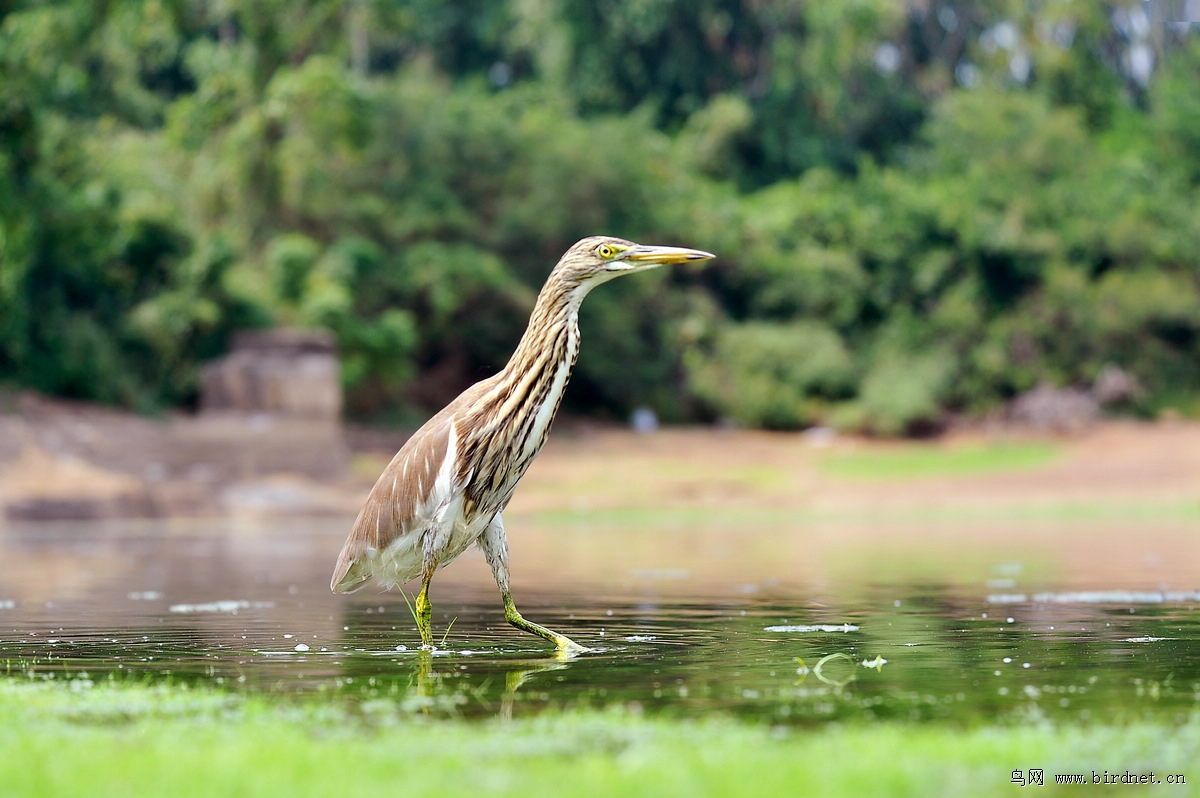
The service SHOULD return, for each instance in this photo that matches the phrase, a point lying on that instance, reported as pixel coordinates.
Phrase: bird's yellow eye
(606, 251)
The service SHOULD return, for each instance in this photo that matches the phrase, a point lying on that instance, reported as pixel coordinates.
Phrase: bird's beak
(647, 257)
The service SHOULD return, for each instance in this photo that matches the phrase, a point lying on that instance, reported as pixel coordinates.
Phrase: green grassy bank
(109, 740)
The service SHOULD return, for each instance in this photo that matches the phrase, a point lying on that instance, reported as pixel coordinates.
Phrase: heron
(446, 488)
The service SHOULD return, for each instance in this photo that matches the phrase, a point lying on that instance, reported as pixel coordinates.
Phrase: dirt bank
(72, 460)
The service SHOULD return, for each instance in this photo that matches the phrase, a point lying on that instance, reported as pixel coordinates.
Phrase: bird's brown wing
(400, 501)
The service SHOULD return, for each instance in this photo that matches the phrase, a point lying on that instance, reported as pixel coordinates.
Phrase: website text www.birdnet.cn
(1036, 777)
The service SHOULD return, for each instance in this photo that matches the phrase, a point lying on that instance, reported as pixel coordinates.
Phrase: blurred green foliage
(773, 374)
(920, 208)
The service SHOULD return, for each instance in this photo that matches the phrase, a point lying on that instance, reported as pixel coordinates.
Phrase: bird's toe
(569, 647)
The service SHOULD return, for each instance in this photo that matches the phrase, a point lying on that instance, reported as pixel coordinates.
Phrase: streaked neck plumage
(546, 356)
(553, 330)
(526, 394)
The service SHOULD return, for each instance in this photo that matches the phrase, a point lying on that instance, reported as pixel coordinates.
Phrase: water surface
(996, 622)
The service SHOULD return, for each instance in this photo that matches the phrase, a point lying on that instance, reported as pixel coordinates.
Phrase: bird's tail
(350, 573)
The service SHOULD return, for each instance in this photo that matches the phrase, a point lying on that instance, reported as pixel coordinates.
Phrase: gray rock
(285, 372)
(1055, 409)
(1115, 386)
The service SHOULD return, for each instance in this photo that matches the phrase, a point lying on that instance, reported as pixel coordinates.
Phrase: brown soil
(60, 458)
(1113, 462)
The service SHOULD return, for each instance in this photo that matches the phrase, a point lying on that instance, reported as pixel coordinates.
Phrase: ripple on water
(918, 648)
(1098, 597)
(222, 606)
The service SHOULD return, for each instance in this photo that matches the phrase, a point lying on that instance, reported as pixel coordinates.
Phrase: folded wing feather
(413, 491)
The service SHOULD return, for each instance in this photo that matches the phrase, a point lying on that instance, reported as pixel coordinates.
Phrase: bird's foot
(567, 647)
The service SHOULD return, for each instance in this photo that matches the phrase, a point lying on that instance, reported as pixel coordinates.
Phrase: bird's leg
(563, 643)
(423, 613)
(424, 610)
(495, 549)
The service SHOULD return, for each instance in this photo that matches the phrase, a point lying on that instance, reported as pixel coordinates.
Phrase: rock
(1115, 386)
(1055, 409)
(820, 437)
(285, 372)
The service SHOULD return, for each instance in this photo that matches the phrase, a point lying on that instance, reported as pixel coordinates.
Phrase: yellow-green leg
(495, 549)
(424, 612)
(562, 642)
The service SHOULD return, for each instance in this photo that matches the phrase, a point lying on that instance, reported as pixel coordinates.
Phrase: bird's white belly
(401, 562)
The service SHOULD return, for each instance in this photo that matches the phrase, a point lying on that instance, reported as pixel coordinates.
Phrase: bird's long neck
(552, 337)
(540, 368)
(512, 419)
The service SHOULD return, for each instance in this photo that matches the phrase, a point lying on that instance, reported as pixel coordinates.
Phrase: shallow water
(973, 627)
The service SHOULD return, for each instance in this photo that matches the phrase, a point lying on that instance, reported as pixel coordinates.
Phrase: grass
(110, 739)
(937, 461)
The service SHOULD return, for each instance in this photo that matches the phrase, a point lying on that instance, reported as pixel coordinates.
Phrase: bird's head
(598, 259)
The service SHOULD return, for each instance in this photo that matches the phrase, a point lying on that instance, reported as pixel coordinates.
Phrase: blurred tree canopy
(921, 207)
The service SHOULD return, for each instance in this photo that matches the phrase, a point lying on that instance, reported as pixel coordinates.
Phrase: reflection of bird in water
(432, 693)
(514, 680)
(446, 487)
